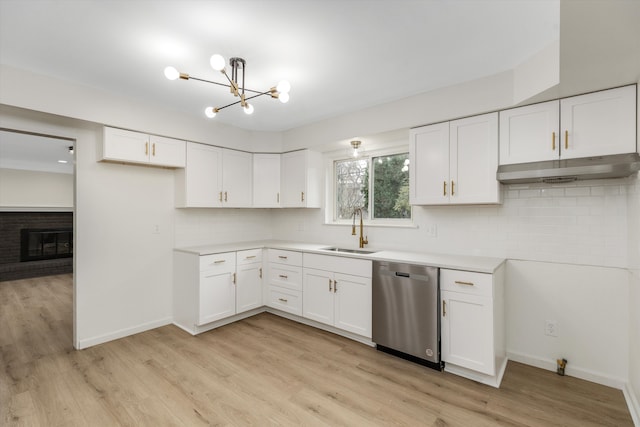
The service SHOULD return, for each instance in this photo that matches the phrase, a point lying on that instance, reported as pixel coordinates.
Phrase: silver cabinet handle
(282, 299)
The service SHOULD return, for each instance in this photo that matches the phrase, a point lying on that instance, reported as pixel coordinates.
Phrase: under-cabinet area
(217, 285)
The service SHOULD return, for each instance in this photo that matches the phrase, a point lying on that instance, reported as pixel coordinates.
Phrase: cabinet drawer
(467, 282)
(285, 257)
(285, 300)
(288, 277)
(218, 262)
(249, 256)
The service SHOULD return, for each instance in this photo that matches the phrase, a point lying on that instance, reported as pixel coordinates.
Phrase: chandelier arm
(228, 105)
(226, 85)
(208, 81)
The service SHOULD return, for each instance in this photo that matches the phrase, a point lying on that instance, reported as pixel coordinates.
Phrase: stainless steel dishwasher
(406, 318)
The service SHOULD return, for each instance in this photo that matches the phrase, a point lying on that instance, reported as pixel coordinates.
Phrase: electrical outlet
(432, 230)
(551, 328)
(155, 229)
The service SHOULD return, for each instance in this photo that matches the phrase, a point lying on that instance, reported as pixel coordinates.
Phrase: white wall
(194, 227)
(31, 189)
(122, 271)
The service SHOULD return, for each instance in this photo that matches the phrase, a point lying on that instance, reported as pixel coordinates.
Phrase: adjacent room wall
(32, 189)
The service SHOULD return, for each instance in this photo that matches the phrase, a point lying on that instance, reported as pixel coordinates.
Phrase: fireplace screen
(40, 243)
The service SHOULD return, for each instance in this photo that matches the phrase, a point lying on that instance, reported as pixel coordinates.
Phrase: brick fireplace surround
(10, 225)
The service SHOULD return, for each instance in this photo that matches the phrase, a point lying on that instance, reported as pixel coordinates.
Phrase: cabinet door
(266, 180)
(249, 287)
(530, 133)
(237, 169)
(293, 179)
(473, 157)
(124, 145)
(167, 152)
(317, 296)
(599, 123)
(217, 296)
(199, 185)
(429, 171)
(467, 331)
(353, 304)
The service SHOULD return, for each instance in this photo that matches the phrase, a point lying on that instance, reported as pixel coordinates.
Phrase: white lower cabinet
(208, 288)
(472, 324)
(249, 280)
(284, 288)
(337, 291)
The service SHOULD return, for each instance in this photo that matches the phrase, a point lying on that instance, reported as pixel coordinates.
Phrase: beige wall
(31, 189)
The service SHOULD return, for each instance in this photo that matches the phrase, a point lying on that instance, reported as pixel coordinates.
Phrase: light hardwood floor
(261, 371)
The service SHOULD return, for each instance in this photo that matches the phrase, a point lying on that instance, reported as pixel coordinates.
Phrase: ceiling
(339, 55)
(27, 151)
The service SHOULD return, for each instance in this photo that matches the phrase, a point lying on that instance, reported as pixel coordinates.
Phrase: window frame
(330, 211)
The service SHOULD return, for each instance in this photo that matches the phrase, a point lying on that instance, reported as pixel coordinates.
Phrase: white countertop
(454, 262)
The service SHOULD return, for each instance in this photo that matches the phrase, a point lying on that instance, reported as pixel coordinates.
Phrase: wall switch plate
(432, 230)
(551, 328)
(155, 229)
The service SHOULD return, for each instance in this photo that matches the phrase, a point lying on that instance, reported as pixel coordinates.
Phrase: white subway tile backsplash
(578, 191)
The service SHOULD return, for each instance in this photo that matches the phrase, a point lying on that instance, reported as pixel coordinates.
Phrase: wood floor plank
(262, 371)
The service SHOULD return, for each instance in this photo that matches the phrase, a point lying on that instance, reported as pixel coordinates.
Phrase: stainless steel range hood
(557, 171)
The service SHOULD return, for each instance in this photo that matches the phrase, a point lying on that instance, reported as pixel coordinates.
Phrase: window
(378, 184)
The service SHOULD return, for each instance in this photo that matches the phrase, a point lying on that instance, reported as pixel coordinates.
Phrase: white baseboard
(90, 342)
(571, 371)
(632, 403)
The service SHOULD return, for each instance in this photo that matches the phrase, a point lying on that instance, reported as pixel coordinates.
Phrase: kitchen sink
(349, 251)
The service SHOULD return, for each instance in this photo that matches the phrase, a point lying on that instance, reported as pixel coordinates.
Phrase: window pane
(391, 186)
(352, 181)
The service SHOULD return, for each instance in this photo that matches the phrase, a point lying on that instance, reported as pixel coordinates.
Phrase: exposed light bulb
(210, 112)
(283, 97)
(248, 109)
(283, 86)
(217, 62)
(171, 73)
(355, 152)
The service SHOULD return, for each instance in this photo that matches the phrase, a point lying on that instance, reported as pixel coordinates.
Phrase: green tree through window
(377, 184)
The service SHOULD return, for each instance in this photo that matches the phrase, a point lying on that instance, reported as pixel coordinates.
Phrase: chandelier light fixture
(236, 84)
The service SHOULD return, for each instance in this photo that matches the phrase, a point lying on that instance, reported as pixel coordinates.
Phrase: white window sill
(375, 224)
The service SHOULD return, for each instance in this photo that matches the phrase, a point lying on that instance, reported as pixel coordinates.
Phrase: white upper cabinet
(135, 147)
(237, 170)
(594, 124)
(599, 123)
(301, 179)
(266, 180)
(530, 134)
(455, 162)
(199, 185)
(429, 171)
(214, 177)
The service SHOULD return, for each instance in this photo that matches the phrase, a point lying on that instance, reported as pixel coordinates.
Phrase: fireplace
(45, 243)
